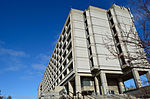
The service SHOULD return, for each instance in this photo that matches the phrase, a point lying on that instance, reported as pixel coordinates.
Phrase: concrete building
(83, 62)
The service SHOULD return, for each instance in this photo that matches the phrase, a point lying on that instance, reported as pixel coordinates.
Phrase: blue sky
(29, 30)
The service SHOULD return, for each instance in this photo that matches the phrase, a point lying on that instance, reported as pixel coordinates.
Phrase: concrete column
(104, 83)
(78, 83)
(136, 78)
(121, 85)
(97, 90)
(70, 89)
(148, 76)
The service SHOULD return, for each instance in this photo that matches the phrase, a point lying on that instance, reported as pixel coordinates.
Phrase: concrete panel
(81, 52)
(124, 20)
(108, 62)
(122, 11)
(80, 42)
(82, 64)
(101, 30)
(98, 14)
(101, 49)
(78, 24)
(84, 70)
(100, 22)
(126, 27)
(103, 39)
(77, 16)
(79, 33)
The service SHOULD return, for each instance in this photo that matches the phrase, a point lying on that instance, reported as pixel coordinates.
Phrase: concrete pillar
(70, 89)
(121, 85)
(148, 76)
(136, 78)
(104, 83)
(97, 90)
(78, 83)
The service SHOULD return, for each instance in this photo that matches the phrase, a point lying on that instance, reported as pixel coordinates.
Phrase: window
(87, 31)
(86, 81)
(119, 49)
(69, 37)
(64, 38)
(86, 24)
(65, 63)
(109, 14)
(61, 77)
(114, 30)
(65, 73)
(90, 50)
(70, 67)
(84, 14)
(68, 29)
(68, 22)
(63, 32)
(91, 61)
(70, 57)
(122, 60)
(60, 69)
(69, 47)
(88, 41)
(116, 39)
(112, 22)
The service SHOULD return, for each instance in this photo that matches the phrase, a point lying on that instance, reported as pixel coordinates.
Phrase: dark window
(114, 30)
(90, 50)
(69, 47)
(61, 77)
(122, 60)
(86, 24)
(91, 61)
(71, 67)
(65, 63)
(69, 37)
(111, 21)
(117, 39)
(84, 14)
(86, 81)
(109, 13)
(88, 40)
(87, 31)
(68, 29)
(119, 49)
(65, 73)
(68, 22)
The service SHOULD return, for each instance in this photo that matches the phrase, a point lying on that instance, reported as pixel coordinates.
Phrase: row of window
(116, 38)
(88, 39)
(60, 64)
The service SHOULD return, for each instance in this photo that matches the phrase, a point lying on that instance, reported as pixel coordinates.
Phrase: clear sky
(29, 30)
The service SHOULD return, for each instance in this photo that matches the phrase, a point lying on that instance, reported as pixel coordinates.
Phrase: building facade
(84, 57)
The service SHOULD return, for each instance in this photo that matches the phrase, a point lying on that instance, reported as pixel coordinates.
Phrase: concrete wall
(80, 44)
(128, 34)
(102, 34)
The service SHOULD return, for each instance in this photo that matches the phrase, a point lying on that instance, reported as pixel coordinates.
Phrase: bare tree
(138, 40)
(133, 43)
(130, 37)
(141, 12)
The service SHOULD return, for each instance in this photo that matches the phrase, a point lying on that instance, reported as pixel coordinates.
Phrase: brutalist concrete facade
(81, 61)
